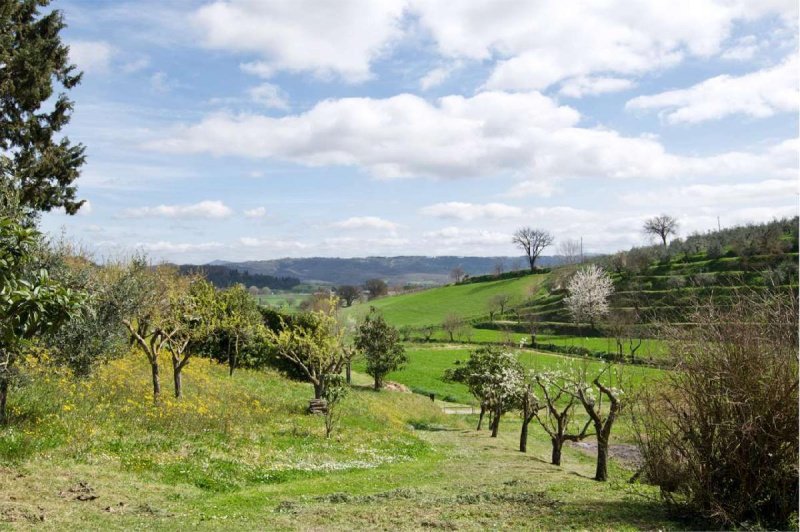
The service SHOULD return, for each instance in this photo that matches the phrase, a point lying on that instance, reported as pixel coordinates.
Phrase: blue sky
(257, 129)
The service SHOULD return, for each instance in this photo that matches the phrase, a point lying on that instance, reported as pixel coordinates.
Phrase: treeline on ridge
(225, 277)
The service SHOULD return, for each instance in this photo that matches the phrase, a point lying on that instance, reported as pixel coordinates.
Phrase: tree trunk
(3, 399)
(176, 376)
(378, 383)
(347, 372)
(602, 459)
(319, 389)
(496, 424)
(156, 381)
(523, 435)
(480, 417)
(555, 458)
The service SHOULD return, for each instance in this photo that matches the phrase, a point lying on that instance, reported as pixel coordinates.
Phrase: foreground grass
(240, 453)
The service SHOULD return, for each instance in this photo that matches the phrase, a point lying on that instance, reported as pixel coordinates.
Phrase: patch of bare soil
(624, 452)
(396, 387)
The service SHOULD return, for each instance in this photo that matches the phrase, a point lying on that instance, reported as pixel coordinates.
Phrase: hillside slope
(468, 301)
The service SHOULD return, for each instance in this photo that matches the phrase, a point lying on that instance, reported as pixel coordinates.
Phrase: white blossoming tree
(494, 377)
(588, 293)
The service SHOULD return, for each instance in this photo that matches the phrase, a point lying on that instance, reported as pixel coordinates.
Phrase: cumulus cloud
(258, 212)
(544, 42)
(524, 135)
(712, 195)
(471, 211)
(438, 75)
(326, 38)
(269, 95)
(203, 209)
(91, 56)
(366, 222)
(271, 244)
(589, 86)
(758, 94)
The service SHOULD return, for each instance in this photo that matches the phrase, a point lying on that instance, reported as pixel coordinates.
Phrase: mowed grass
(430, 307)
(424, 372)
(240, 454)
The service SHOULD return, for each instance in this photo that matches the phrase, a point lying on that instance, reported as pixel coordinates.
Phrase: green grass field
(427, 364)
(429, 307)
(239, 453)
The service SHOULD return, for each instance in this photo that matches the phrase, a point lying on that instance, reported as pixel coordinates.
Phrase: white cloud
(711, 196)
(136, 65)
(745, 48)
(326, 38)
(543, 42)
(163, 246)
(471, 211)
(91, 56)
(758, 94)
(588, 86)
(366, 222)
(525, 135)
(203, 209)
(365, 245)
(533, 187)
(463, 239)
(269, 95)
(438, 75)
(258, 212)
(272, 244)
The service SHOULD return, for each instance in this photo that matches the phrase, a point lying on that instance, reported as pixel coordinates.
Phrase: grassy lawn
(240, 453)
(427, 364)
(429, 307)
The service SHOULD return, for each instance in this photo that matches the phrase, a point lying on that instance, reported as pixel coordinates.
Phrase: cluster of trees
(500, 384)
(225, 277)
(349, 294)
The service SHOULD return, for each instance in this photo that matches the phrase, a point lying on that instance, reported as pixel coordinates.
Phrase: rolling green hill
(468, 301)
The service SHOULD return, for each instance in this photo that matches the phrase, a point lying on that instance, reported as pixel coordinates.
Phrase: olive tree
(239, 319)
(380, 344)
(313, 346)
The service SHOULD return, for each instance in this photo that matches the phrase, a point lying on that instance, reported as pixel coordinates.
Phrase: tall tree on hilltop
(662, 227)
(532, 242)
(37, 164)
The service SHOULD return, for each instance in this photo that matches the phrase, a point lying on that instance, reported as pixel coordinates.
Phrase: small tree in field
(588, 293)
(661, 226)
(348, 294)
(500, 302)
(559, 406)
(494, 378)
(602, 417)
(529, 404)
(376, 288)
(335, 391)
(532, 242)
(453, 324)
(315, 346)
(457, 274)
(380, 344)
(238, 316)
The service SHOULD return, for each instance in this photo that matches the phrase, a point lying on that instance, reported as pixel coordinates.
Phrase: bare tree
(570, 251)
(662, 227)
(499, 268)
(457, 274)
(500, 302)
(560, 406)
(452, 324)
(532, 242)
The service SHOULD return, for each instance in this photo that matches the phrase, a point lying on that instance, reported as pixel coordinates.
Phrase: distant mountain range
(393, 270)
